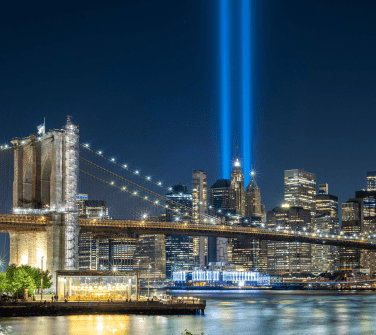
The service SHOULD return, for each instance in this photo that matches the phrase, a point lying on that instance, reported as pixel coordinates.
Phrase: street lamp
(41, 279)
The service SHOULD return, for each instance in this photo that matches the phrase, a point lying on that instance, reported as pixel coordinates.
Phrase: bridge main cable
(142, 188)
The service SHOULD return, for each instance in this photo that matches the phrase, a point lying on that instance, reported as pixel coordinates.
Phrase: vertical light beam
(225, 89)
(246, 88)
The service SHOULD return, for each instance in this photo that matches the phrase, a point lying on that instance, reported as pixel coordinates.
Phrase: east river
(251, 312)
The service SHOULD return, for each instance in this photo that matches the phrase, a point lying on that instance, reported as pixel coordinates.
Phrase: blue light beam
(225, 88)
(246, 88)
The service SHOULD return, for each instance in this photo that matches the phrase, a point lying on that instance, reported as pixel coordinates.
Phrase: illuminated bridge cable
(144, 189)
(125, 167)
(124, 189)
(209, 218)
(188, 211)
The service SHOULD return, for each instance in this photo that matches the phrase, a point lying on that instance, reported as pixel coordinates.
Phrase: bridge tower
(46, 182)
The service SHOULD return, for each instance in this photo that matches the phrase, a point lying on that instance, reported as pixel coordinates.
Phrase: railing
(19, 223)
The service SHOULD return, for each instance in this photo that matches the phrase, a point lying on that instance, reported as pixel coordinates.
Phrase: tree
(3, 283)
(22, 281)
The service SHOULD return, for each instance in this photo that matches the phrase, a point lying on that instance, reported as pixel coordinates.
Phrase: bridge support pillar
(28, 248)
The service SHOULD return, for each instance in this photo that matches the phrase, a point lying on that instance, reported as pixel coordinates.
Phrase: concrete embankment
(98, 308)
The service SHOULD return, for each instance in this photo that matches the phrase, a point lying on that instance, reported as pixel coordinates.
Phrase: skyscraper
(371, 181)
(90, 250)
(289, 257)
(246, 252)
(199, 193)
(253, 199)
(150, 254)
(300, 189)
(352, 224)
(325, 258)
(179, 249)
(237, 184)
(221, 197)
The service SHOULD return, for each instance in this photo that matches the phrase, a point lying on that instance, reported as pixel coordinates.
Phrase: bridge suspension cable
(125, 167)
(148, 178)
(146, 190)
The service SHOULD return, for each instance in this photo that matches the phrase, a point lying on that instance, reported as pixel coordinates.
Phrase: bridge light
(86, 145)
(112, 183)
(136, 172)
(148, 178)
(112, 159)
(159, 183)
(125, 166)
(99, 152)
(6, 146)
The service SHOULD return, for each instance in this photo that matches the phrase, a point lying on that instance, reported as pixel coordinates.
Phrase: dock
(176, 307)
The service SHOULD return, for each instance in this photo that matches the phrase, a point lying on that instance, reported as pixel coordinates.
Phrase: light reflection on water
(254, 312)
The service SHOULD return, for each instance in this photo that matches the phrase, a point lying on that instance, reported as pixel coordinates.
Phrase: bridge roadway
(116, 228)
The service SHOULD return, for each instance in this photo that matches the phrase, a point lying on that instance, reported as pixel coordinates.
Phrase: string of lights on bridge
(149, 179)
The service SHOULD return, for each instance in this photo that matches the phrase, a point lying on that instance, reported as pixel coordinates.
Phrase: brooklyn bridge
(43, 221)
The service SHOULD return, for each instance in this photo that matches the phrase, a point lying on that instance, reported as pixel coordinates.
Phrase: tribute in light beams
(225, 88)
(246, 88)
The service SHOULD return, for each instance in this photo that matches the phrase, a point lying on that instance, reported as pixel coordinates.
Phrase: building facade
(199, 204)
(289, 257)
(300, 189)
(179, 249)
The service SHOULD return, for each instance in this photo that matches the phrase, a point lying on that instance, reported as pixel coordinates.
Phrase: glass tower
(179, 249)
(300, 189)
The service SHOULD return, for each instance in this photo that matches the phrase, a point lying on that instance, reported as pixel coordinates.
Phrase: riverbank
(100, 308)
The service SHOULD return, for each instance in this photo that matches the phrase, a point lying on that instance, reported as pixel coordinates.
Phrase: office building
(253, 199)
(300, 189)
(237, 184)
(179, 248)
(245, 253)
(325, 222)
(289, 257)
(352, 225)
(325, 258)
(371, 181)
(199, 204)
(221, 197)
(92, 252)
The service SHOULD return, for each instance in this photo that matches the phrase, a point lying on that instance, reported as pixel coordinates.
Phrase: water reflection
(261, 312)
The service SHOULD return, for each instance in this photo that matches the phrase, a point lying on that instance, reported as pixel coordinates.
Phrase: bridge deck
(116, 228)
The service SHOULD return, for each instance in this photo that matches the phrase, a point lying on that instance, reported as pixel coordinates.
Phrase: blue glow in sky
(225, 135)
(246, 88)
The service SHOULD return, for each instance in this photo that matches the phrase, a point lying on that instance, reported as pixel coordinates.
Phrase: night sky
(141, 80)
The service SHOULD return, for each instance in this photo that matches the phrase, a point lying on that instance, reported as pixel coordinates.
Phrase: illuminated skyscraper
(200, 194)
(253, 199)
(300, 189)
(371, 181)
(352, 224)
(250, 254)
(325, 258)
(289, 257)
(91, 250)
(237, 184)
(150, 254)
(221, 197)
(179, 249)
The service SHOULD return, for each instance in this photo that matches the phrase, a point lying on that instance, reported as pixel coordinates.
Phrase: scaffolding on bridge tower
(70, 182)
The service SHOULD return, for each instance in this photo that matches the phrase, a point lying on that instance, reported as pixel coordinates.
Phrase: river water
(235, 312)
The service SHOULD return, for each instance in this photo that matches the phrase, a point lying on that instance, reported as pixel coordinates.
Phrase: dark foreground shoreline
(99, 308)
